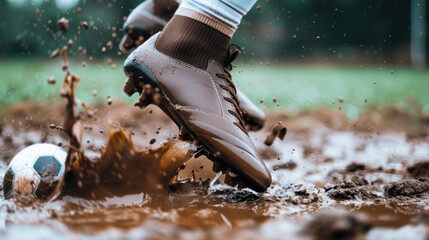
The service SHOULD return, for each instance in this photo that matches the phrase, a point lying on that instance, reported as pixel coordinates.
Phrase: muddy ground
(332, 179)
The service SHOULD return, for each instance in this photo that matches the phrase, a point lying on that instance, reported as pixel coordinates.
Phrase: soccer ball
(35, 171)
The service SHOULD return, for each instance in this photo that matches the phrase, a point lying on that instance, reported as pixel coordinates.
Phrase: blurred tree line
(375, 31)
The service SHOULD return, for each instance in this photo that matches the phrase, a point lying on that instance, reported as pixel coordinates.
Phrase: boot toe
(233, 147)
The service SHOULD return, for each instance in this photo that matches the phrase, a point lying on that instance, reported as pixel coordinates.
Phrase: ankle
(192, 41)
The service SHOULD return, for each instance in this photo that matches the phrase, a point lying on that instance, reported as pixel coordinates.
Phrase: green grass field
(294, 87)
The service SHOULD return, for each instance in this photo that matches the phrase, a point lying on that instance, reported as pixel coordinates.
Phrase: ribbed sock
(193, 42)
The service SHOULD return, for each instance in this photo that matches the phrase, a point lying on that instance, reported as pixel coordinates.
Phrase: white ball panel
(27, 156)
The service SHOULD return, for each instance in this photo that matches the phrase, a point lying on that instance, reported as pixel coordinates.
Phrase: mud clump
(353, 167)
(420, 169)
(334, 225)
(51, 80)
(355, 181)
(408, 188)
(279, 131)
(85, 24)
(63, 25)
(350, 189)
(55, 53)
(285, 166)
(349, 193)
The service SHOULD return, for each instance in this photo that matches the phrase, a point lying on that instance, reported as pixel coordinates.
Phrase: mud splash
(121, 169)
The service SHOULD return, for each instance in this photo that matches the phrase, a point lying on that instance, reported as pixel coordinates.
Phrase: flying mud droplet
(103, 50)
(109, 100)
(366, 100)
(63, 25)
(70, 43)
(52, 126)
(85, 25)
(258, 7)
(94, 93)
(152, 141)
(51, 80)
(79, 10)
(375, 82)
(109, 45)
(339, 108)
(279, 131)
(55, 54)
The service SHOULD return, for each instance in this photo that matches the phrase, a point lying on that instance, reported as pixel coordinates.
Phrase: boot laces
(230, 87)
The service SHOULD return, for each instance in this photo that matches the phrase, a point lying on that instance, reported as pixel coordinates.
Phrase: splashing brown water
(121, 169)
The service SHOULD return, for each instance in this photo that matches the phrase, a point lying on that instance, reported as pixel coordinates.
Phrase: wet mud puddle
(326, 184)
(355, 193)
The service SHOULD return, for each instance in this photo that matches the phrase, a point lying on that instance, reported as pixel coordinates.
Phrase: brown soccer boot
(185, 71)
(150, 17)
(146, 19)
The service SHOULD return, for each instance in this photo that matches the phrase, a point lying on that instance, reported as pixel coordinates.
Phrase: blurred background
(298, 54)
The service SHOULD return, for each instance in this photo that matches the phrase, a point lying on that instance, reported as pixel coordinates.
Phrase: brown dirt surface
(374, 175)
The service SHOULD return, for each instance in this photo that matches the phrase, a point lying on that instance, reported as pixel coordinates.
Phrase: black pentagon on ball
(47, 166)
(8, 182)
(45, 188)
